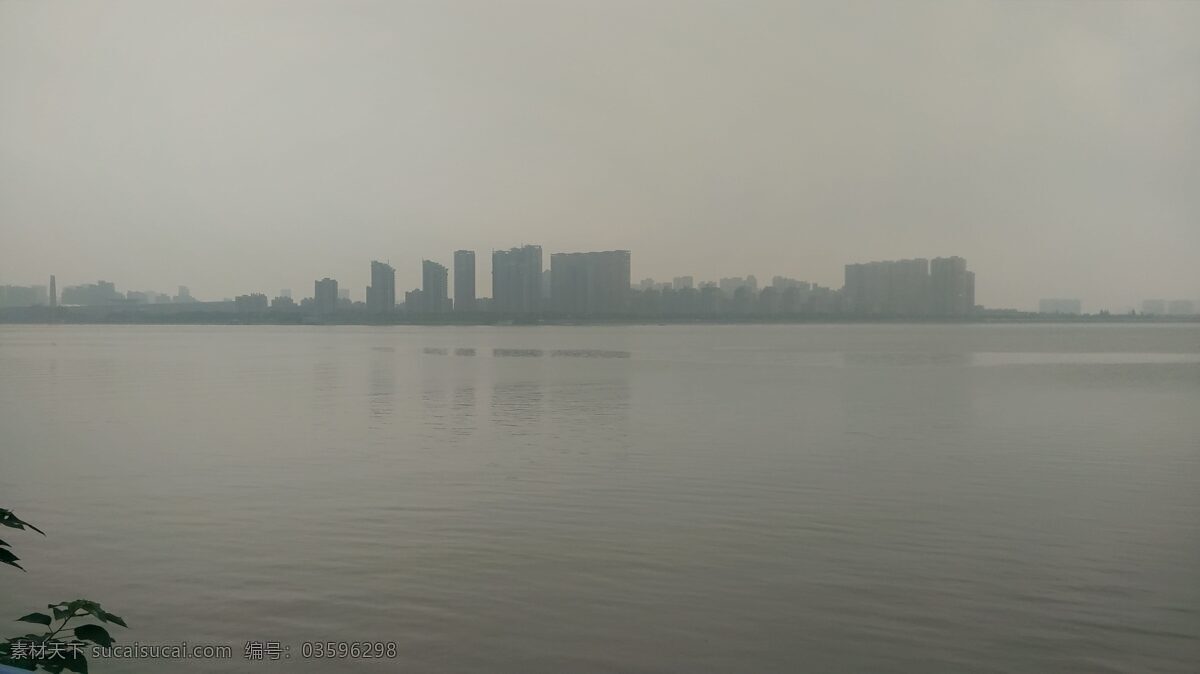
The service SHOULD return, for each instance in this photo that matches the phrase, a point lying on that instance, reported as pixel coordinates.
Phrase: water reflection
(904, 358)
(381, 382)
(462, 410)
(326, 375)
(588, 353)
(518, 353)
(528, 353)
(993, 358)
(897, 397)
(517, 405)
(447, 394)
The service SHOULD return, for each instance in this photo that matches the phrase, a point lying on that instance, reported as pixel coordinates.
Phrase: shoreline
(66, 317)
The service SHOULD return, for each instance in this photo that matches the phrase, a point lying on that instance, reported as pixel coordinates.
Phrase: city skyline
(416, 271)
(599, 284)
(910, 287)
(1051, 144)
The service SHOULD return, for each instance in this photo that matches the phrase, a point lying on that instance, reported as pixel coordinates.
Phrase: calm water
(635, 499)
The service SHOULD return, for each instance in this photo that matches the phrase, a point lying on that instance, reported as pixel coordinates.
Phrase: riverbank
(184, 315)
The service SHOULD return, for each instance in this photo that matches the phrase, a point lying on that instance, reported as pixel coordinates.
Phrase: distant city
(583, 285)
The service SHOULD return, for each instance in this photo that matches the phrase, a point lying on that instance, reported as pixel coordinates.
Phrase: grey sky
(250, 146)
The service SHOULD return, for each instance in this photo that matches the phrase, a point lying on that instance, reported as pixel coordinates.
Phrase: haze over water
(906, 498)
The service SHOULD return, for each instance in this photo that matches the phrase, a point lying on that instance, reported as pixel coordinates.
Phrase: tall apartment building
(435, 295)
(517, 280)
(952, 287)
(464, 280)
(381, 294)
(1174, 307)
(888, 288)
(909, 288)
(590, 284)
(90, 294)
(1154, 307)
(325, 295)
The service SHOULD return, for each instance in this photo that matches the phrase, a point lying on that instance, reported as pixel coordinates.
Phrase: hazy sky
(248, 146)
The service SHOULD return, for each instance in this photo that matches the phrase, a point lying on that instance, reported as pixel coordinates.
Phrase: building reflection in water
(381, 382)
(448, 395)
(518, 353)
(462, 410)
(558, 353)
(564, 403)
(517, 406)
(900, 395)
(530, 395)
(326, 386)
(588, 353)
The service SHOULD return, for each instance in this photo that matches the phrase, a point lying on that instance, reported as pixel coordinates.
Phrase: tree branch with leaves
(57, 649)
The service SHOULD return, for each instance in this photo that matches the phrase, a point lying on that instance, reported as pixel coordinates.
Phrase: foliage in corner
(8, 519)
(57, 649)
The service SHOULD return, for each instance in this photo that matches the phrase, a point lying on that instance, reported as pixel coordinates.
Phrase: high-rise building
(325, 296)
(249, 304)
(782, 283)
(412, 301)
(590, 284)
(464, 280)
(53, 292)
(682, 282)
(854, 288)
(381, 294)
(888, 288)
(435, 296)
(1174, 307)
(1154, 307)
(730, 285)
(285, 292)
(951, 286)
(91, 294)
(909, 288)
(22, 296)
(517, 280)
(970, 300)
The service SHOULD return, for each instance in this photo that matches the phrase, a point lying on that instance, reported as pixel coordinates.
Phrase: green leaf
(36, 618)
(8, 519)
(60, 613)
(7, 557)
(93, 633)
(85, 605)
(4, 545)
(108, 617)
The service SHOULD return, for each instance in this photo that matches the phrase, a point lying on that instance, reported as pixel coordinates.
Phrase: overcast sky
(248, 146)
